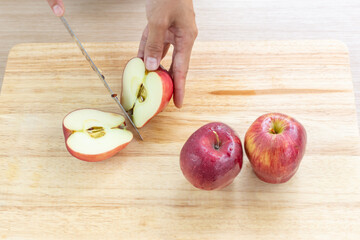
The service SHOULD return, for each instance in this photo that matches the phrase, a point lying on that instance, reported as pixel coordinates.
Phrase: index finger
(143, 43)
(179, 69)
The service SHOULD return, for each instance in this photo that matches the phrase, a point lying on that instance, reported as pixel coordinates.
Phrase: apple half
(144, 93)
(92, 135)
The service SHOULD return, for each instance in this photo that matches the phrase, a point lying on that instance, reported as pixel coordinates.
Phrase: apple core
(142, 94)
(96, 132)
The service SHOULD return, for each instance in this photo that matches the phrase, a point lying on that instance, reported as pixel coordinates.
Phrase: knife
(97, 71)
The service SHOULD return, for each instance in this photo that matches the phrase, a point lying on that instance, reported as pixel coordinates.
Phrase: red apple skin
(97, 157)
(86, 157)
(67, 132)
(275, 158)
(204, 166)
(168, 88)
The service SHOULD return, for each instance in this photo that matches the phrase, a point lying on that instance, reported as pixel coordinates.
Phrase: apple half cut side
(92, 135)
(145, 94)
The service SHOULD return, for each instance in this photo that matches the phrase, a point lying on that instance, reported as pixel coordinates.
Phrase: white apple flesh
(92, 135)
(145, 94)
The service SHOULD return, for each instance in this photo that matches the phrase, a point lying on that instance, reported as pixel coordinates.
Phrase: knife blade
(98, 72)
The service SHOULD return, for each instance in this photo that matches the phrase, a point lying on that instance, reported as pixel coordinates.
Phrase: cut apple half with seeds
(93, 135)
(145, 94)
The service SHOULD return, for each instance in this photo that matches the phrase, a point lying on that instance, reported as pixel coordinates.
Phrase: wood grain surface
(141, 193)
(24, 21)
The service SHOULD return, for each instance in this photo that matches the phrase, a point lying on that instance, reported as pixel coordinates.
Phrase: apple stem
(272, 130)
(217, 145)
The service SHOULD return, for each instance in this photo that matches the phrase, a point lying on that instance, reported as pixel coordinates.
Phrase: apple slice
(92, 135)
(145, 94)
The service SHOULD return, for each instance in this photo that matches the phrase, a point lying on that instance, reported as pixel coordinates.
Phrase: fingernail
(151, 63)
(58, 11)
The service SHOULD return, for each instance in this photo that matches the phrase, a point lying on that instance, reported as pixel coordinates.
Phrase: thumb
(154, 46)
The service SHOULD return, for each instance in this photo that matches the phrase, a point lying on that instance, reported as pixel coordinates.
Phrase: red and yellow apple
(145, 94)
(212, 156)
(275, 144)
(92, 135)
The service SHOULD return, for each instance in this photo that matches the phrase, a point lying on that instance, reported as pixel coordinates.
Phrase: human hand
(57, 6)
(169, 22)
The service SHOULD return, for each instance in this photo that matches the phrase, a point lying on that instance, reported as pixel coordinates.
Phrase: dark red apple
(212, 156)
(275, 144)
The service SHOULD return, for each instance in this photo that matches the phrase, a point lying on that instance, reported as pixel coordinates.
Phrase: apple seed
(142, 93)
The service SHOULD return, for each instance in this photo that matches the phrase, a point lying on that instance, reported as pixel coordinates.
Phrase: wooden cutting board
(141, 193)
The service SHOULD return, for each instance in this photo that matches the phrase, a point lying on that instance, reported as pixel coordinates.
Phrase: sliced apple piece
(145, 94)
(92, 135)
